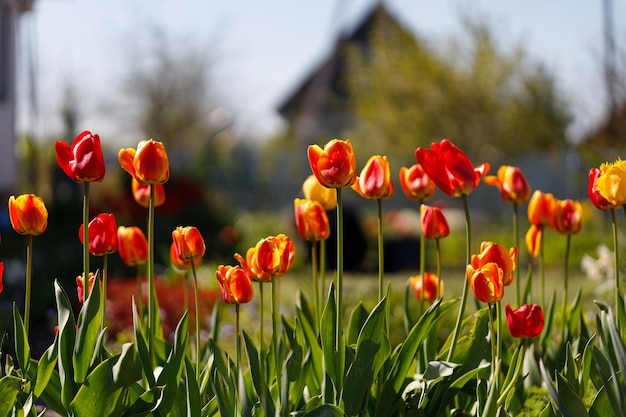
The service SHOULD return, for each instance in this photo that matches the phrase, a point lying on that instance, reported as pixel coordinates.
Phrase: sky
(260, 50)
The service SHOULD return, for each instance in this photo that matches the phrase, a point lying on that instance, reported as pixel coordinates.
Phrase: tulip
(28, 214)
(313, 190)
(611, 183)
(274, 255)
(486, 282)
(83, 161)
(533, 239)
(133, 245)
(335, 165)
(249, 265)
(450, 168)
(427, 287)
(148, 164)
(80, 286)
(512, 184)
(311, 220)
(416, 184)
(493, 253)
(375, 182)
(541, 208)
(102, 233)
(434, 224)
(189, 243)
(567, 218)
(525, 321)
(235, 284)
(178, 263)
(141, 193)
(594, 195)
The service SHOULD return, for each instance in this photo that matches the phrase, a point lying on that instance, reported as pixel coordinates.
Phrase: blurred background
(237, 90)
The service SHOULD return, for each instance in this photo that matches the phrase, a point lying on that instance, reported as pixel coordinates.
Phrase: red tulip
(80, 286)
(449, 168)
(568, 216)
(83, 161)
(141, 193)
(148, 164)
(594, 195)
(427, 285)
(335, 165)
(102, 232)
(311, 220)
(512, 184)
(434, 224)
(375, 182)
(416, 184)
(28, 214)
(525, 321)
(235, 284)
(133, 245)
(188, 243)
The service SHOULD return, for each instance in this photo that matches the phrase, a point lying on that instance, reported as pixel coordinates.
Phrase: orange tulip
(450, 168)
(335, 165)
(427, 285)
(188, 243)
(434, 224)
(541, 208)
(533, 239)
(568, 216)
(83, 161)
(235, 284)
(141, 193)
(493, 253)
(28, 214)
(249, 265)
(133, 245)
(311, 220)
(274, 255)
(313, 190)
(375, 182)
(512, 184)
(148, 164)
(486, 282)
(102, 234)
(416, 184)
(80, 285)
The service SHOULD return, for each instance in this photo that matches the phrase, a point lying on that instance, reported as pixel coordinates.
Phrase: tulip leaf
(326, 410)
(141, 345)
(45, 368)
(101, 392)
(258, 379)
(328, 334)
(311, 343)
(568, 403)
(357, 320)
(170, 375)
(22, 347)
(372, 350)
(89, 320)
(66, 336)
(601, 405)
(10, 387)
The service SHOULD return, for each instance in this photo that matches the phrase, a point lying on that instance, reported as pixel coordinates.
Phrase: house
(10, 12)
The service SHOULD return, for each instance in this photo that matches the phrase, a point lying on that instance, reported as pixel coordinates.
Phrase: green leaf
(10, 387)
(566, 401)
(601, 405)
(357, 320)
(546, 335)
(258, 379)
(326, 410)
(372, 351)
(101, 393)
(22, 348)
(328, 334)
(89, 320)
(45, 368)
(66, 335)
(141, 344)
(171, 372)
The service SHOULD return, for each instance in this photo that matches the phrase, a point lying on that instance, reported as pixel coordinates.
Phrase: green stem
(322, 267)
(105, 267)
(494, 349)
(518, 290)
(197, 310)
(275, 338)
(339, 295)
(86, 236)
(542, 269)
(151, 289)
(261, 308)
(316, 288)
(566, 280)
(616, 266)
(438, 270)
(29, 271)
(381, 256)
(468, 254)
(499, 338)
(238, 370)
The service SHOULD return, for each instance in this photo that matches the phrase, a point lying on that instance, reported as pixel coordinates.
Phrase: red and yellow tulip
(311, 220)
(335, 165)
(416, 184)
(28, 214)
(375, 181)
(149, 163)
